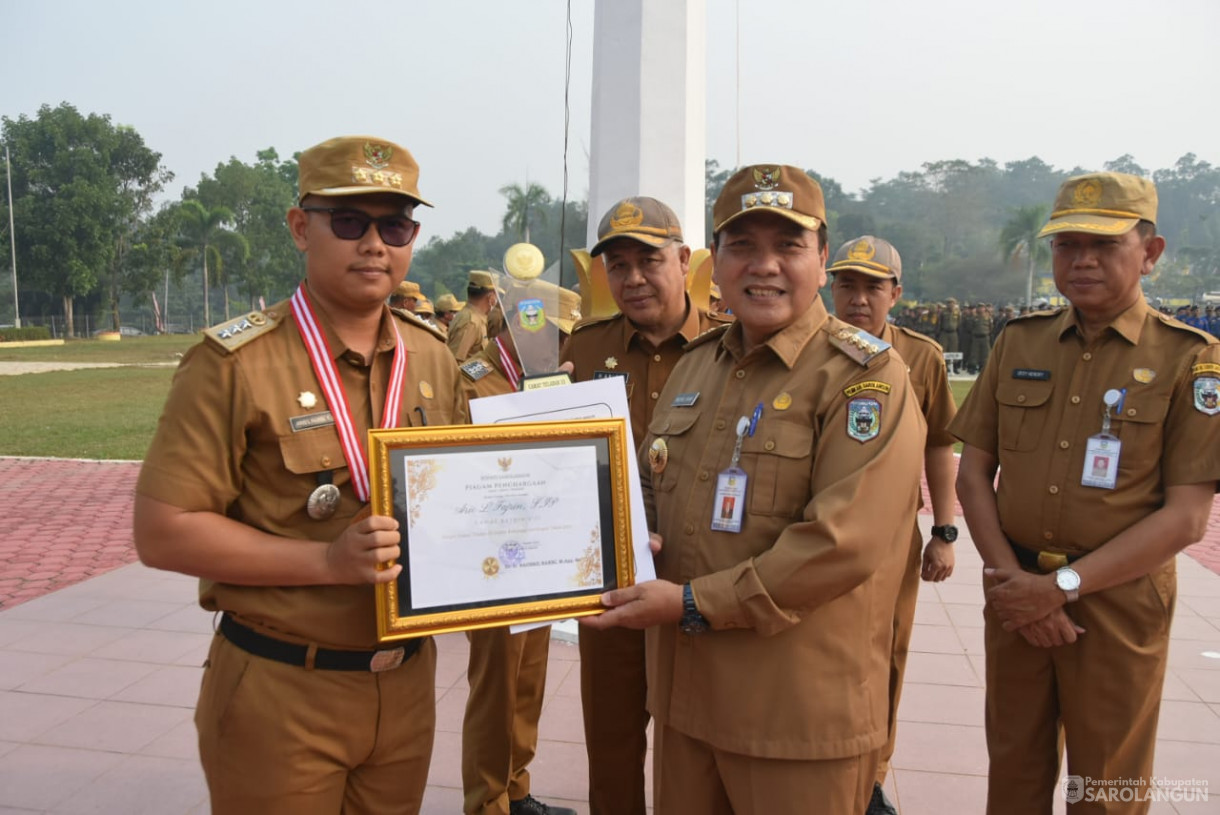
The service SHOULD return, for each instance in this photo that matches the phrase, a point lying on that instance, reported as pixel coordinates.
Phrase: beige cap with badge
(1102, 204)
(868, 255)
(785, 190)
(640, 218)
(358, 165)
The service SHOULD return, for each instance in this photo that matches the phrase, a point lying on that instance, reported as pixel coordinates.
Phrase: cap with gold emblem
(1102, 204)
(868, 255)
(640, 218)
(358, 165)
(779, 188)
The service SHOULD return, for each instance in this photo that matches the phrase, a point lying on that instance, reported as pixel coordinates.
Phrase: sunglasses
(351, 224)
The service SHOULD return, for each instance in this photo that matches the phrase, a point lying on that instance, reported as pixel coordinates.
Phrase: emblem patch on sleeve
(863, 419)
(1207, 395)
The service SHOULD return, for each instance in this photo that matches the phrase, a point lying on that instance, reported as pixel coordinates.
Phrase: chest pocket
(312, 451)
(1022, 413)
(1141, 428)
(778, 459)
(673, 427)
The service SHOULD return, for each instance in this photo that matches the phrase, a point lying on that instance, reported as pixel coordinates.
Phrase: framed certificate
(501, 524)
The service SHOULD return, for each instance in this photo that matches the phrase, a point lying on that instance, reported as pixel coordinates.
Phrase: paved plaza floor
(100, 665)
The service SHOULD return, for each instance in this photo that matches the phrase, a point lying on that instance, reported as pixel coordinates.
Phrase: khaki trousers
(1098, 697)
(614, 699)
(693, 778)
(904, 623)
(275, 738)
(507, 676)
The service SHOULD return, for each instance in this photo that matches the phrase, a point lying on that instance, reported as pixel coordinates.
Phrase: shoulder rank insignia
(859, 345)
(235, 333)
(475, 369)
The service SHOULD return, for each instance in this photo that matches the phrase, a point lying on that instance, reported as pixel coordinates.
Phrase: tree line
(91, 235)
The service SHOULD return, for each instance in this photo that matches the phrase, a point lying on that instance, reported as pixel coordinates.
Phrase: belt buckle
(386, 660)
(1051, 561)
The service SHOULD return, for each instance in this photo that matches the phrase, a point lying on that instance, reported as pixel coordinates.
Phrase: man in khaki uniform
(772, 615)
(1099, 419)
(506, 671)
(447, 307)
(640, 241)
(250, 486)
(866, 283)
(468, 331)
(406, 296)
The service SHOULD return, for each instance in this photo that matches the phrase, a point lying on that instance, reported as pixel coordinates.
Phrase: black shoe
(880, 805)
(529, 805)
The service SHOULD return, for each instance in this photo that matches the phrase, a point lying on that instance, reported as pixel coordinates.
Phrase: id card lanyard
(729, 503)
(1102, 451)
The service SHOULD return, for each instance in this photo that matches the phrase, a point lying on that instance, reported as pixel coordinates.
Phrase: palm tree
(521, 202)
(203, 230)
(1020, 236)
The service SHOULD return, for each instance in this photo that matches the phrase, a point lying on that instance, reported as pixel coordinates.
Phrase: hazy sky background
(475, 88)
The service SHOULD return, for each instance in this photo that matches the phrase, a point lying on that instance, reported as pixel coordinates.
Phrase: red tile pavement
(67, 520)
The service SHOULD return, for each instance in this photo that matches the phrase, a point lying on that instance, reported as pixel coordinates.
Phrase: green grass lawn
(129, 350)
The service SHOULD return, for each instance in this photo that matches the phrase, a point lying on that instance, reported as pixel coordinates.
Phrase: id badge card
(1101, 462)
(730, 500)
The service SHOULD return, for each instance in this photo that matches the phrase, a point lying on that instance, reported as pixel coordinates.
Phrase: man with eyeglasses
(640, 242)
(257, 483)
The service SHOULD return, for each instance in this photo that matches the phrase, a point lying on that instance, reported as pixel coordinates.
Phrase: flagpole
(12, 236)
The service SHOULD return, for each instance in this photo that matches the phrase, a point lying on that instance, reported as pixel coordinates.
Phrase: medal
(323, 502)
(658, 455)
(332, 387)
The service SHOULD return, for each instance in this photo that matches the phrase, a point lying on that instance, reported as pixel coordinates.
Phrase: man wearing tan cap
(257, 483)
(507, 672)
(640, 242)
(406, 296)
(468, 331)
(771, 621)
(1097, 418)
(447, 307)
(866, 282)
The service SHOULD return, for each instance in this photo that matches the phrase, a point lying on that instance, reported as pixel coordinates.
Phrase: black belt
(324, 659)
(1045, 562)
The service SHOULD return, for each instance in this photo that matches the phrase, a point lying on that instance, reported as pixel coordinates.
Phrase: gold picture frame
(501, 524)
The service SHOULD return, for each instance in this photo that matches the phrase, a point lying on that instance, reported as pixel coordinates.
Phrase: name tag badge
(685, 399)
(1101, 462)
(729, 501)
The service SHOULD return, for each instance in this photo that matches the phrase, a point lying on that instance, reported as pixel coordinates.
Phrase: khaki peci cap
(868, 255)
(358, 165)
(785, 190)
(447, 302)
(407, 288)
(1102, 204)
(484, 280)
(640, 218)
(423, 305)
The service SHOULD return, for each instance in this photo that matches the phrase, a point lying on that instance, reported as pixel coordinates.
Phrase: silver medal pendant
(323, 502)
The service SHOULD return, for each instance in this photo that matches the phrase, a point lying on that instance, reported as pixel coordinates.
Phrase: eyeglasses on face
(351, 224)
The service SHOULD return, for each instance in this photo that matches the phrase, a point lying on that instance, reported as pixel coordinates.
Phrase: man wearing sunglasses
(257, 482)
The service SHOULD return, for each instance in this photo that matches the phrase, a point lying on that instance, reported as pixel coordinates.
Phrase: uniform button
(741, 374)
(769, 446)
(720, 424)
(1052, 489)
(656, 357)
(1021, 397)
(703, 476)
(655, 394)
(1065, 444)
(689, 529)
(1048, 535)
(1087, 356)
(1130, 411)
(1075, 400)
(325, 461)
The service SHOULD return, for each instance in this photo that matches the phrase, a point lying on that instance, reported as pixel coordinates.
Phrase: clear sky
(475, 88)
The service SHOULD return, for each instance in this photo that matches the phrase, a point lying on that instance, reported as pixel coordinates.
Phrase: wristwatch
(1069, 581)
(692, 621)
(947, 533)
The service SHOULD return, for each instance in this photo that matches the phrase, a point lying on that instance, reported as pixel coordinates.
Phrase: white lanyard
(336, 398)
